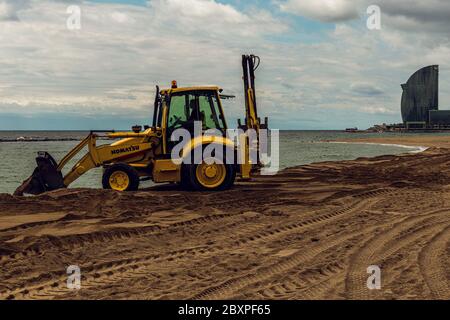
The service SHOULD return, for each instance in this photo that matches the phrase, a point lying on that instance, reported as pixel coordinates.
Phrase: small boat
(351, 130)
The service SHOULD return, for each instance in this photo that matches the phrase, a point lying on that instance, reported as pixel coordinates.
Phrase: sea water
(296, 148)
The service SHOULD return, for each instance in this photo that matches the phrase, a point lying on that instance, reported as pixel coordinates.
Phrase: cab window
(187, 107)
(210, 112)
(178, 112)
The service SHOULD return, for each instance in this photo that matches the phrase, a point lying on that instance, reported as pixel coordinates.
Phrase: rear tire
(199, 181)
(198, 177)
(121, 177)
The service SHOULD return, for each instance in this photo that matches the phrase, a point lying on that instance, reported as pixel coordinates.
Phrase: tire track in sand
(372, 250)
(78, 240)
(432, 265)
(231, 286)
(71, 241)
(302, 287)
(106, 273)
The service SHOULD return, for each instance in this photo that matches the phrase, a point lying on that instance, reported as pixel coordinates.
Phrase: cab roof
(183, 89)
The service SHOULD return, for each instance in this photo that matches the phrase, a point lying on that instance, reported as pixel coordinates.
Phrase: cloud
(213, 18)
(366, 89)
(378, 110)
(322, 10)
(417, 15)
(404, 15)
(111, 65)
(9, 9)
(121, 52)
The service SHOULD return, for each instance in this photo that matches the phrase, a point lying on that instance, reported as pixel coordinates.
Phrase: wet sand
(309, 232)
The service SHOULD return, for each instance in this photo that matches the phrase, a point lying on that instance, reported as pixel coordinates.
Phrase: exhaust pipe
(45, 177)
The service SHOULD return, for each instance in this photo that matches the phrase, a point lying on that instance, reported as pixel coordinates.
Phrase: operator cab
(177, 108)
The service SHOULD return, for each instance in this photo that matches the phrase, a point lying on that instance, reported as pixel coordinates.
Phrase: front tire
(121, 177)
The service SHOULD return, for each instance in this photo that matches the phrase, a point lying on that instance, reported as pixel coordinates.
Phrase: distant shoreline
(18, 140)
(415, 149)
(39, 140)
(416, 141)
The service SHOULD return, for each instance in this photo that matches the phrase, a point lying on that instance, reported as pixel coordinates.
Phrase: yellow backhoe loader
(147, 154)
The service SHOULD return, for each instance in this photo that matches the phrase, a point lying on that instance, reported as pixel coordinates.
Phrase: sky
(321, 66)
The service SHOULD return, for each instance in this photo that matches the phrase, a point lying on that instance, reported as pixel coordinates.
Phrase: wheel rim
(119, 181)
(210, 175)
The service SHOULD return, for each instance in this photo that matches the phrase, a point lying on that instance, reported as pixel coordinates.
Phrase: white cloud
(121, 52)
(322, 10)
(213, 18)
(378, 110)
(10, 8)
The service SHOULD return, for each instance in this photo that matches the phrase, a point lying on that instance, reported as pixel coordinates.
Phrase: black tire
(132, 174)
(185, 181)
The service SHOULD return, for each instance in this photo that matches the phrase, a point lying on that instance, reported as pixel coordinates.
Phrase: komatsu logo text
(123, 150)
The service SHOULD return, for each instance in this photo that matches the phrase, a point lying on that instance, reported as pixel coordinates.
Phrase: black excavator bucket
(45, 177)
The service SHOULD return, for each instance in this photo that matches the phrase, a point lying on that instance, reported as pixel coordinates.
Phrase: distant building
(420, 95)
(420, 101)
(440, 117)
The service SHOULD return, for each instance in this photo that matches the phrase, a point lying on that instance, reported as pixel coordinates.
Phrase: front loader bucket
(45, 177)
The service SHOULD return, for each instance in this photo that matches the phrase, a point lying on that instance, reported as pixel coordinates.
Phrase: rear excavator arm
(249, 65)
(251, 122)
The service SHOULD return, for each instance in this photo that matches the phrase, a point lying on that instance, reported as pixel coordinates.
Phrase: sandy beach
(309, 232)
